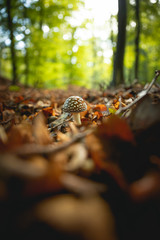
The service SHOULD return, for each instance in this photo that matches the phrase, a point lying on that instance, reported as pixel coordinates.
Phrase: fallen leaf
(145, 114)
(40, 131)
(77, 156)
(90, 218)
(146, 188)
(115, 126)
(81, 185)
(100, 107)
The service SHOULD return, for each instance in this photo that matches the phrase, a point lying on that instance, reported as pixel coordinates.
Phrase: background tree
(52, 46)
(137, 38)
(118, 74)
(9, 7)
(149, 48)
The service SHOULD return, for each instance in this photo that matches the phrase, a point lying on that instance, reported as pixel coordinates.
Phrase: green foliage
(14, 88)
(149, 40)
(49, 52)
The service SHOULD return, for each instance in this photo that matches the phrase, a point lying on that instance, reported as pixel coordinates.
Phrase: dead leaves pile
(97, 181)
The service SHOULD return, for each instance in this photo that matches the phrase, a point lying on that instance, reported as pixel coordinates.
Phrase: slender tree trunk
(12, 46)
(137, 39)
(38, 79)
(94, 53)
(0, 60)
(26, 57)
(112, 38)
(118, 72)
(26, 61)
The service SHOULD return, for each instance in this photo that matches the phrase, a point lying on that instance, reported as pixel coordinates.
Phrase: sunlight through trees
(55, 43)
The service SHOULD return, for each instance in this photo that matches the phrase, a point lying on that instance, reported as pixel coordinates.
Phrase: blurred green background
(54, 43)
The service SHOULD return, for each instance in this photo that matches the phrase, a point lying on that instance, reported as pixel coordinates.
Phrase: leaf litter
(100, 180)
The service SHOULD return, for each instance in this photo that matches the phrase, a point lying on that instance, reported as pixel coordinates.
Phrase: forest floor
(96, 181)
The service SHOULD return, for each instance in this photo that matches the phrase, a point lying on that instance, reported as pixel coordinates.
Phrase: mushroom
(75, 105)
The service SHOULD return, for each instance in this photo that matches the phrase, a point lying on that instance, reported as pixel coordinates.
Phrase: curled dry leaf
(118, 144)
(145, 114)
(146, 188)
(100, 107)
(114, 126)
(95, 149)
(62, 137)
(81, 186)
(47, 183)
(8, 114)
(90, 218)
(20, 134)
(12, 165)
(3, 191)
(116, 104)
(99, 157)
(97, 115)
(48, 111)
(77, 154)
(40, 131)
(3, 135)
(155, 160)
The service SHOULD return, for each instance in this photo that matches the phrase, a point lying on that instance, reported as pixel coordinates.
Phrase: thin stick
(141, 94)
(59, 124)
(28, 149)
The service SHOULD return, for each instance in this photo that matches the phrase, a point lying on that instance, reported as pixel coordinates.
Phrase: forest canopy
(49, 43)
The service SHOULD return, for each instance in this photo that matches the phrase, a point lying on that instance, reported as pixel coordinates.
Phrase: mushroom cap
(74, 104)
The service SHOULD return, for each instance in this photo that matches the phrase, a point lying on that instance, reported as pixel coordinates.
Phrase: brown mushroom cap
(74, 104)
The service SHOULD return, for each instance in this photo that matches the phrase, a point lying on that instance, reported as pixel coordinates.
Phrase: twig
(59, 124)
(7, 121)
(141, 94)
(28, 149)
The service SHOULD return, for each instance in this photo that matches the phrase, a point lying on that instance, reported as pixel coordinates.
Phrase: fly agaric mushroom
(75, 105)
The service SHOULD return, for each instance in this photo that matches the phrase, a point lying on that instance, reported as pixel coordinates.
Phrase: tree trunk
(12, 46)
(38, 80)
(26, 57)
(26, 61)
(118, 74)
(137, 39)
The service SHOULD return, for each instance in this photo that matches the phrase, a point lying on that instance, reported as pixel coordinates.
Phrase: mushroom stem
(77, 118)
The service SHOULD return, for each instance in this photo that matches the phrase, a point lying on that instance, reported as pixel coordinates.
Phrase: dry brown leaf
(145, 114)
(3, 191)
(97, 115)
(155, 160)
(81, 185)
(3, 135)
(40, 131)
(8, 114)
(77, 156)
(146, 188)
(12, 165)
(49, 182)
(63, 137)
(48, 111)
(20, 134)
(95, 149)
(90, 218)
(100, 107)
(114, 126)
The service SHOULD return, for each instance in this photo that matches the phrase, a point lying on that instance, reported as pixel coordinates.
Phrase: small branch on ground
(29, 149)
(140, 95)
